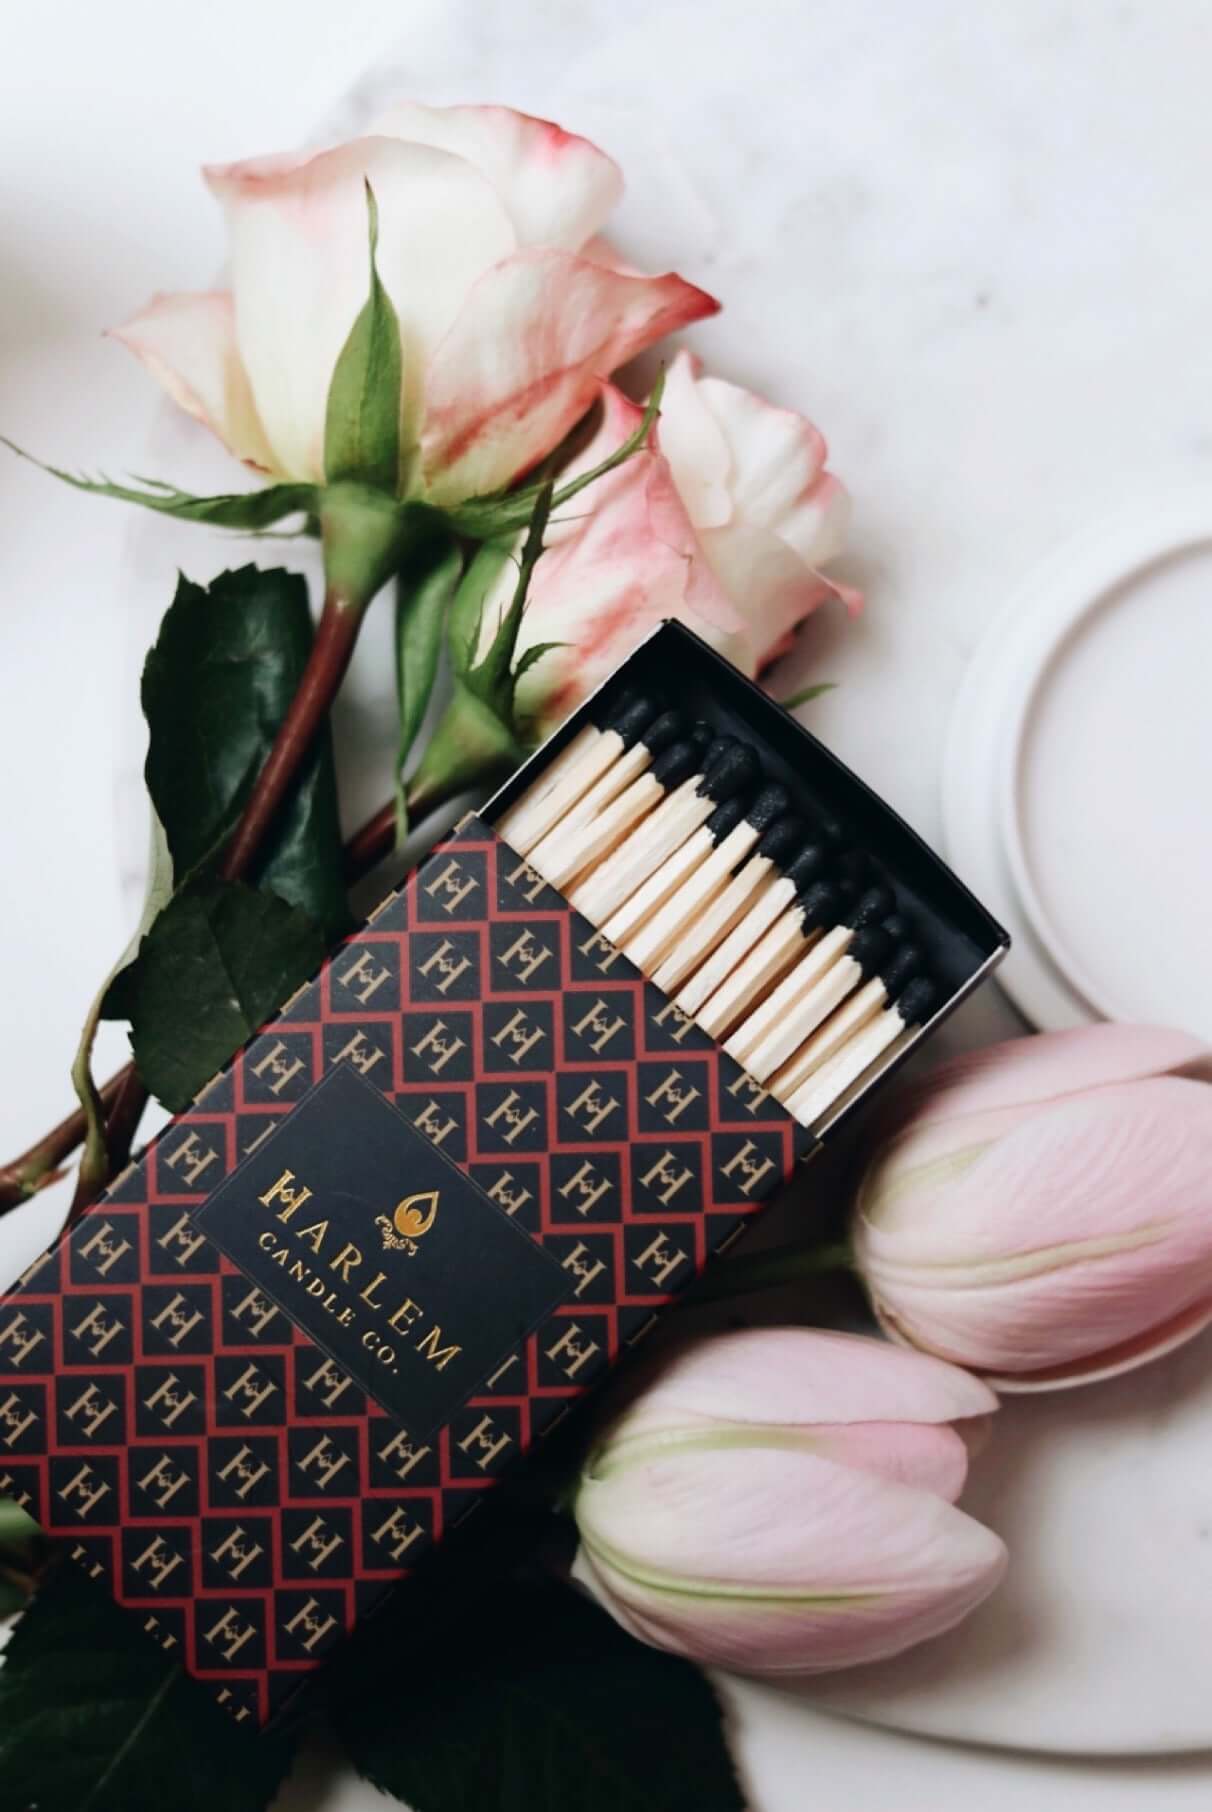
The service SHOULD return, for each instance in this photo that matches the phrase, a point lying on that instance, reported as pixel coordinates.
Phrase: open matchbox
(425, 1209)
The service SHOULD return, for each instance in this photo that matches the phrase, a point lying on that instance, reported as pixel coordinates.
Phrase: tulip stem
(768, 1269)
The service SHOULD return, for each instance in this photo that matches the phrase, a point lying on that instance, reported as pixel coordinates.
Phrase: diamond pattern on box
(194, 1449)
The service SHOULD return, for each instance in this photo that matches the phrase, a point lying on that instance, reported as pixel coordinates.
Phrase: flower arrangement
(415, 363)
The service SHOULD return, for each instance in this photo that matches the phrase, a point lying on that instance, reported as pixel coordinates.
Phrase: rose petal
(778, 480)
(776, 1562)
(300, 270)
(624, 557)
(523, 361)
(188, 343)
(557, 188)
(693, 442)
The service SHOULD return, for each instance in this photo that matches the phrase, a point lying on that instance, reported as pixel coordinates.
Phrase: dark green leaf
(425, 588)
(220, 958)
(362, 420)
(502, 513)
(492, 678)
(529, 1699)
(807, 693)
(216, 686)
(94, 1718)
(253, 510)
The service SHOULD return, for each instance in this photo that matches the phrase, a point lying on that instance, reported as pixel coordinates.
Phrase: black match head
(905, 962)
(663, 730)
(630, 724)
(868, 948)
(701, 735)
(917, 1002)
(767, 806)
(820, 905)
(716, 749)
(857, 865)
(832, 828)
(725, 818)
(781, 841)
(807, 865)
(871, 907)
(898, 925)
(607, 715)
(678, 762)
(733, 772)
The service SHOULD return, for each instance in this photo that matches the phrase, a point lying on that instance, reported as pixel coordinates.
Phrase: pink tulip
(1044, 1213)
(723, 523)
(781, 1502)
(510, 313)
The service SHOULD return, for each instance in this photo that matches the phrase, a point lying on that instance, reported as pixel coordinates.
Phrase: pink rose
(510, 314)
(724, 523)
(781, 1501)
(1044, 1215)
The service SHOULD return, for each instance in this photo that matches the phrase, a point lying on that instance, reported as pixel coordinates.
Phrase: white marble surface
(972, 242)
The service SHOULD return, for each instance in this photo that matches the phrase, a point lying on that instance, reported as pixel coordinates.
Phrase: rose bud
(724, 522)
(1044, 1212)
(780, 1502)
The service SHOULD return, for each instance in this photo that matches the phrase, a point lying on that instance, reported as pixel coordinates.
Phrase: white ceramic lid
(1077, 792)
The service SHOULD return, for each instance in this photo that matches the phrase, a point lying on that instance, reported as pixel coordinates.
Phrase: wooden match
(710, 927)
(559, 857)
(861, 1050)
(900, 969)
(802, 977)
(777, 896)
(607, 750)
(664, 907)
(726, 772)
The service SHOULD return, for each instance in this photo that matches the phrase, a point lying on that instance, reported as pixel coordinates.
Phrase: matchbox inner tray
(423, 1211)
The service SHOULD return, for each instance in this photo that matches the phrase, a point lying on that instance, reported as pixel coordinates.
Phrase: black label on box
(386, 1255)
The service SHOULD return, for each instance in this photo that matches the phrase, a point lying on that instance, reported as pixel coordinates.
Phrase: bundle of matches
(762, 926)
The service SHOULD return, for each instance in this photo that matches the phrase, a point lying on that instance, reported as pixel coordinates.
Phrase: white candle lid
(1077, 791)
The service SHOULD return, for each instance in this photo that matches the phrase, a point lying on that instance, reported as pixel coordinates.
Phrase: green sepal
(425, 587)
(806, 694)
(505, 512)
(250, 510)
(362, 418)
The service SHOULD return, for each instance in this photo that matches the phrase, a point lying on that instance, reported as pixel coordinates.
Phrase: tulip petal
(188, 343)
(558, 189)
(1023, 1071)
(800, 1377)
(1084, 1227)
(774, 1562)
(523, 361)
(299, 270)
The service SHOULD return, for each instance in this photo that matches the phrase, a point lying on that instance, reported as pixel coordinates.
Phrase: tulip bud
(1044, 1212)
(781, 1502)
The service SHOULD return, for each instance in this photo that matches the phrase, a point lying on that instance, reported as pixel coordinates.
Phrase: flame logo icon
(411, 1220)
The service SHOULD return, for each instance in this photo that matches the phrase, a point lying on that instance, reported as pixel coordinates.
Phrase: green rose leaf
(216, 685)
(362, 419)
(219, 959)
(530, 1700)
(94, 1718)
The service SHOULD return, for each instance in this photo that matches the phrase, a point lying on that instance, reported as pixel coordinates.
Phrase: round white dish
(1078, 772)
